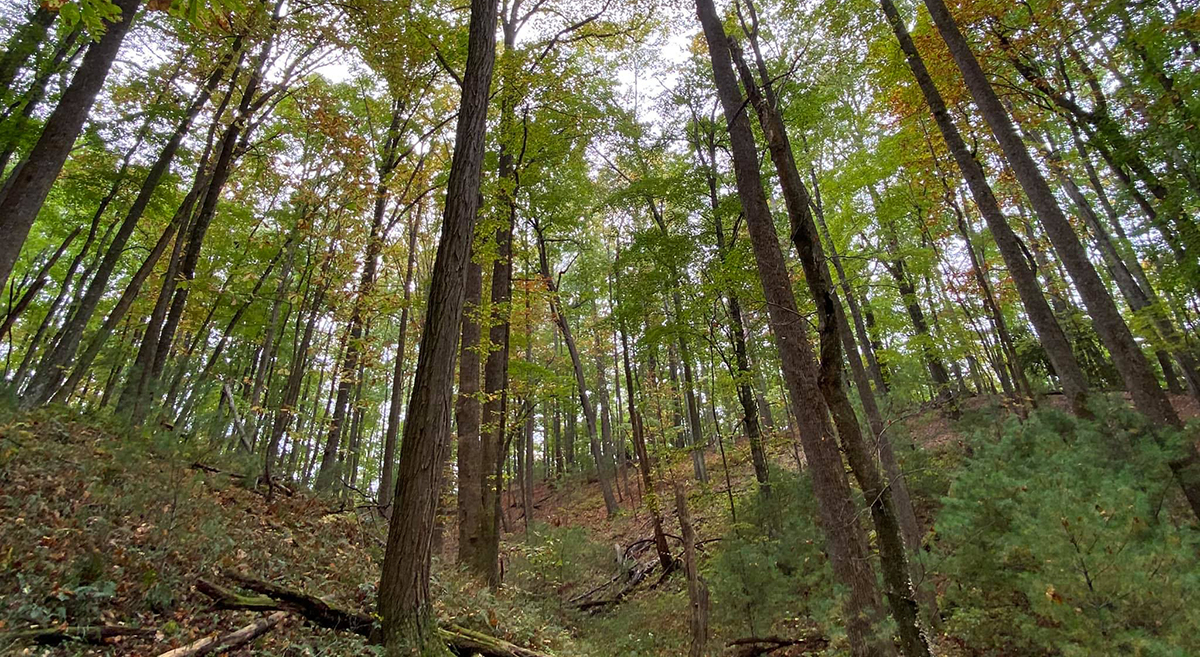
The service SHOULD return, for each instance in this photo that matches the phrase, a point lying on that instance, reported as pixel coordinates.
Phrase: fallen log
(469, 642)
(757, 646)
(287, 490)
(638, 575)
(224, 598)
(49, 636)
(460, 640)
(316, 610)
(217, 644)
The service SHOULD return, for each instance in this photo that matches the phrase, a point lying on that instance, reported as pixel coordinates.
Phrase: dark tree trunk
(845, 540)
(1132, 365)
(408, 621)
(26, 191)
(474, 469)
(741, 372)
(877, 491)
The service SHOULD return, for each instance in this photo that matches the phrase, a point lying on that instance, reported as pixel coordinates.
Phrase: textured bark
(404, 597)
(1135, 370)
(474, 515)
(1050, 333)
(845, 540)
(878, 493)
(490, 419)
(27, 187)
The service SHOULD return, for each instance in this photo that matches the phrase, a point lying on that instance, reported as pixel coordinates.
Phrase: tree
(26, 187)
(844, 538)
(404, 602)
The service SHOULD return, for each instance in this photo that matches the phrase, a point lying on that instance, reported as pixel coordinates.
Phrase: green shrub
(769, 574)
(1067, 537)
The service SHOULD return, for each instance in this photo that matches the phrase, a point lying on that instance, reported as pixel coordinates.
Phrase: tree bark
(26, 191)
(878, 493)
(845, 541)
(404, 597)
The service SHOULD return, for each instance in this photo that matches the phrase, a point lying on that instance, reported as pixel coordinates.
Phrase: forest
(548, 328)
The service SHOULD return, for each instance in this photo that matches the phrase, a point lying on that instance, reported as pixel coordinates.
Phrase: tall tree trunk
(1050, 333)
(474, 467)
(1132, 365)
(878, 492)
(845, 540)
(408, 621)
(386, 482)
(26, 191)
(741, 372)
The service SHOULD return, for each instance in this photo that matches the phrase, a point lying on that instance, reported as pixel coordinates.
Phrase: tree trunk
(644, 465)
(1135, 371)
(408, 621)
(845, 540)
(878, 493)
(26, 191)
(742, 373)
(474, 469)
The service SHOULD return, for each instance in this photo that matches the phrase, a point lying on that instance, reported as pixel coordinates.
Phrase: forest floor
(101, 527)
